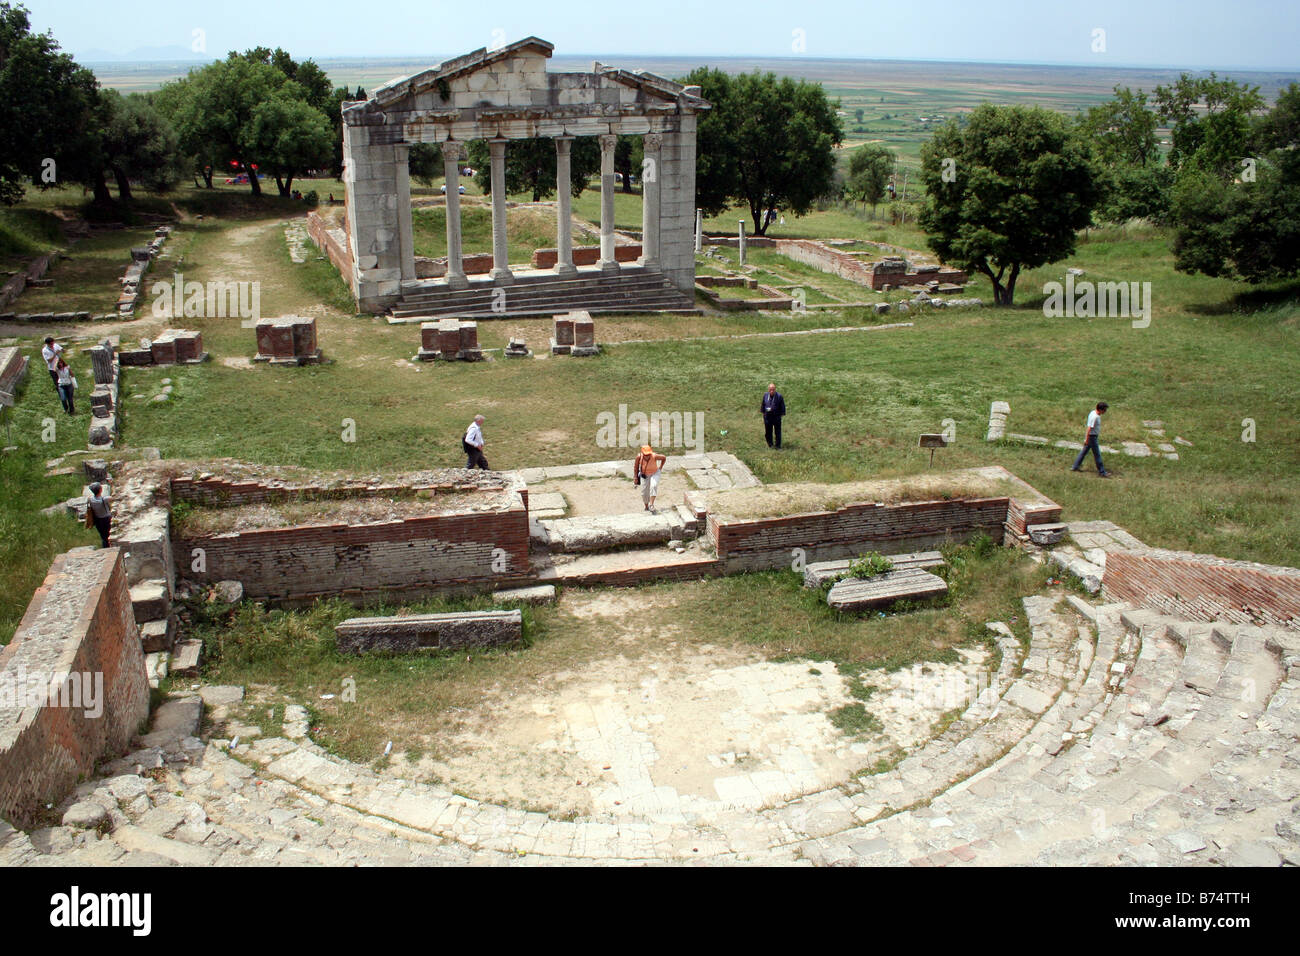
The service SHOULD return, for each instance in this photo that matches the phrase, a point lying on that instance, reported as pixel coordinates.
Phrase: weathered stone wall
(368, 562)
(13, 368)
(1202, 587)
(761, 544)
(334, 243)
(482, 544)
(79, 622)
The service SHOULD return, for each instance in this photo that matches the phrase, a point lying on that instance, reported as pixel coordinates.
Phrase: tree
(1212, 121)
(767, 142)
(1248, 228)
(1007, 192)
(1137, 183)
(289, 135)
(530, 165)
(424, 160)
(1123, 130)
(215, 110)
(47, 111)
(869, 170)
(137, 142)
(859, 113)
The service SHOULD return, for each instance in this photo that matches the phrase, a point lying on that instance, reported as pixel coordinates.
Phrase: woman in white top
(67, 383)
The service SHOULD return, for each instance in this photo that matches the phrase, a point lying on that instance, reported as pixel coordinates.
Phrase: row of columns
(453, 154)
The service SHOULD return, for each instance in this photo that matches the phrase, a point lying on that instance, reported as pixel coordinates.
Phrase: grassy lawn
(1215, 353)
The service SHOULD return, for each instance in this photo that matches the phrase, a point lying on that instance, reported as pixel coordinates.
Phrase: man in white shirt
(473, 444)
(1092, 440)
(51, 354)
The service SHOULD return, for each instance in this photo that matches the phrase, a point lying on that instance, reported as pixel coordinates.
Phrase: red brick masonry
(1202, 587)
(80, 621)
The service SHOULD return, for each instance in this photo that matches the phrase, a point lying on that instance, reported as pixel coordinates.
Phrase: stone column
(501, 273)
(564, 207)
(699, 231)
(452, 154)
(608, 261)
(405, 231)
(101, 360)
(740, 241)
(650, 201)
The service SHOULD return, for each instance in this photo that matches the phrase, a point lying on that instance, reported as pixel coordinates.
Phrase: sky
(1187, 34)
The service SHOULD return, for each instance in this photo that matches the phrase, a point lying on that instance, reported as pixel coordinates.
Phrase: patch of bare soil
(662, 728)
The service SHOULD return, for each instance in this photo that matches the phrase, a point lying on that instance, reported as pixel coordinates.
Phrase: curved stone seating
(1117, 737)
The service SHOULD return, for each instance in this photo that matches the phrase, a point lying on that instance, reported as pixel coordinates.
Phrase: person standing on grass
(647, 468)
(51, 354)
(773, 409)
(473, 443)
(67, 383)
(97, 509)
(1093, 440)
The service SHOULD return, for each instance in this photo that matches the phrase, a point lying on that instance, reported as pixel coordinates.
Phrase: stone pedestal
(584, 335)
(448, 340)
(517, 348)
(562, 343)
(288, 340)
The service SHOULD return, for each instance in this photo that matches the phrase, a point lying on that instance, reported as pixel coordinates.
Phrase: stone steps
(630, 291)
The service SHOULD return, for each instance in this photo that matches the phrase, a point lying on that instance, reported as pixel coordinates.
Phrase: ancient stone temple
(507, 95)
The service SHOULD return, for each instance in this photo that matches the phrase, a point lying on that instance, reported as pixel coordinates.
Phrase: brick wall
(366, 562)
(79, 621)
(755, 544)
(821, 256)
(1201, 587)
(330, 243)
(586, 255)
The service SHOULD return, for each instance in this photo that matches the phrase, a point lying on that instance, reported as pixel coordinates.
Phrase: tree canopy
(1007, 192)
(869, 170)
(768, 143)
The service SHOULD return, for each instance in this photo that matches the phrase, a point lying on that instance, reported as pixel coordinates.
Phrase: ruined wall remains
(73, 687)
(479, 540)
(1201, 587)
(763, 544)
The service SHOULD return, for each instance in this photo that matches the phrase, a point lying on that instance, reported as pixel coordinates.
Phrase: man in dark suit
(773, 408)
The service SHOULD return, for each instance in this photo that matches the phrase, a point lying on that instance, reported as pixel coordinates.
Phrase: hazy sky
(1192, 34)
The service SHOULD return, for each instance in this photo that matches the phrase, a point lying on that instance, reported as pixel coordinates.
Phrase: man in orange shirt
(647, 468)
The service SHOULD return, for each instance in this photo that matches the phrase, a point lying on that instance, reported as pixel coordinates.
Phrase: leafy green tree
(424, 161)
(768, 143)
(1007, 192)
(869, 170)
(1211, 120)
(1248, 228)
(289, 135)
(1123, 129)
(48, 106)
(137, 142)
(530, 165)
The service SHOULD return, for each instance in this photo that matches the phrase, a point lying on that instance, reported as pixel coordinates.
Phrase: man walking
(51, 353)
(473, 444)
(773, 408)
(99, 511)
(1092, 440)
